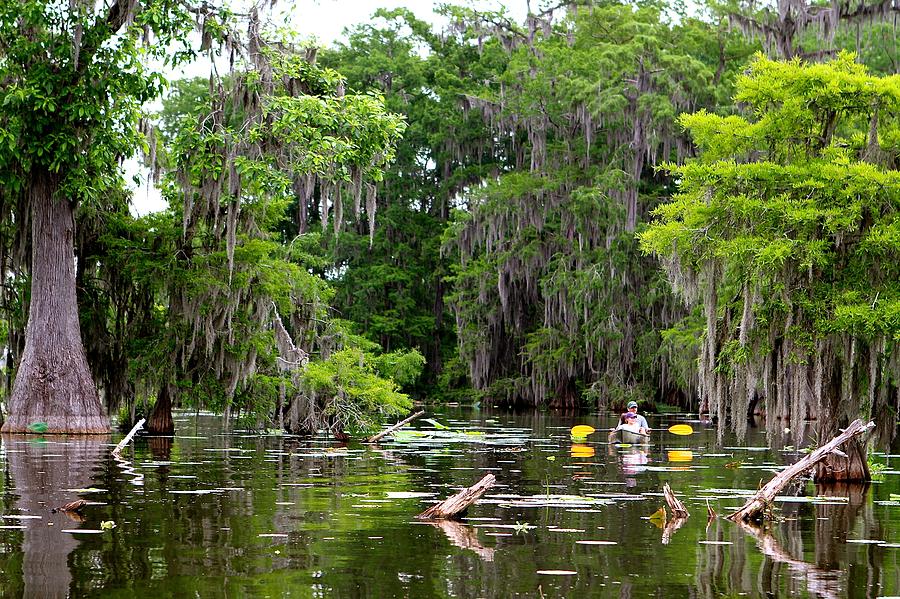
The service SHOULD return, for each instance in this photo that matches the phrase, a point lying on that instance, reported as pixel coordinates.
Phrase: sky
(324, 20)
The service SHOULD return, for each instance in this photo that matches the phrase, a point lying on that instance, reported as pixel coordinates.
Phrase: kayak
(629, 434)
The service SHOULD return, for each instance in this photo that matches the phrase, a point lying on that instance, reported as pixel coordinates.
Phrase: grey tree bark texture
(53, 382)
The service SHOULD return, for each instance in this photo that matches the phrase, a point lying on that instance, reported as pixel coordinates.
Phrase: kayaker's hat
(632, 404)
(629, 416)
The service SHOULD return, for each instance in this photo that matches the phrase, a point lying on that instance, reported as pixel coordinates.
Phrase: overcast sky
(325, 20)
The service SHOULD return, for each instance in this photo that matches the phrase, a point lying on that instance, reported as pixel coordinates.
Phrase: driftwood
(73, 506)
(755, 507)
(128, 437)
(679, 515)
(381, 435)
(455, 505)
(675, 505)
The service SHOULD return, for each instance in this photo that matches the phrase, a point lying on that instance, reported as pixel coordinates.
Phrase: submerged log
(402, 423)
(457, 504)
(755, 507)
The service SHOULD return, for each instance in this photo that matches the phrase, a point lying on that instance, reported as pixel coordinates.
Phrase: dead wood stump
(675, 505)
(455, 505)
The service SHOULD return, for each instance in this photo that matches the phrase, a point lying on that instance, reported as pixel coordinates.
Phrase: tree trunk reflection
(42, 469)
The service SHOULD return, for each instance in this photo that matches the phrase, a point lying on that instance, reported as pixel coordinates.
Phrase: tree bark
(160, 421)
(53, 383)
(836, 468)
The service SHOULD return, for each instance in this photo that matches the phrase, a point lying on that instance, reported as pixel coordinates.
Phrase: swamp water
(209, 514)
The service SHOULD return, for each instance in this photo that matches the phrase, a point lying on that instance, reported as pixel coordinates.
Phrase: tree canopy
(785, 231)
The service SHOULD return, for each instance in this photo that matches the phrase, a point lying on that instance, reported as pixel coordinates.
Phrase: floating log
(128, 437)
(755, 507)
(379, 436)
(675, 505)
(455, 505)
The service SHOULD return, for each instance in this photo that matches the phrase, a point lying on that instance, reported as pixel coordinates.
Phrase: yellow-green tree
(786, 231)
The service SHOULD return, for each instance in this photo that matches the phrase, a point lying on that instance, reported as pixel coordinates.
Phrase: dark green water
(208, 514)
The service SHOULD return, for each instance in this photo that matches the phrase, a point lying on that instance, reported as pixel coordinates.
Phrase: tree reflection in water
(43, 471)
(784, 546)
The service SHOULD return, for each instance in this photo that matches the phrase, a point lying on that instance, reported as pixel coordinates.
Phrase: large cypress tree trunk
(852, 466)
(53, 383)
(840, 469)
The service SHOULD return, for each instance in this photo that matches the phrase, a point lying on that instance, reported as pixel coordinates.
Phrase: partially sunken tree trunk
(53, 383)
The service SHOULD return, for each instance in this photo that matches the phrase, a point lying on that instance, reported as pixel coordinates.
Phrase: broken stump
(455, 505)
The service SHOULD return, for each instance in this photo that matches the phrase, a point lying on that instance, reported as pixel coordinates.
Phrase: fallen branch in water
(379, 436)
(755, 507)
(128, 437)
(455, 505)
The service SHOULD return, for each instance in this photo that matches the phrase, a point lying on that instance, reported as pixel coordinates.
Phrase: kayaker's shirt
(642, 422)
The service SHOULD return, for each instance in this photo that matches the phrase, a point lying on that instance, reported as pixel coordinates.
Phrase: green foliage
(392, 283)
(784, 227)
(72, 108)
(354, 391)
(554, 303)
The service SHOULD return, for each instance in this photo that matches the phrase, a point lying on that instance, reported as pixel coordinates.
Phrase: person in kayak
(641, 421)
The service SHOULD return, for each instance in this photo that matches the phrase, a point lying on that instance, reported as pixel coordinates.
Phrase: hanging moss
(784, 232)
(553, 302)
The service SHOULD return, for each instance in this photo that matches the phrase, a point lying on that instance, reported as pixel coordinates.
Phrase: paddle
(583, 430)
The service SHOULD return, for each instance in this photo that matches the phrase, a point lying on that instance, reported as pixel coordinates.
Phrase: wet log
(73, 506)
(402, 423)
(457, 504)
(677, 508)
(755, 507)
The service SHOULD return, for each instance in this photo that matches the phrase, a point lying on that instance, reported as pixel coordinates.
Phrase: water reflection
(822, 582)
(464, 537)
(239, 514)
(45, 473)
